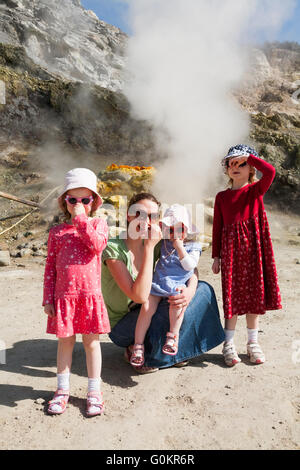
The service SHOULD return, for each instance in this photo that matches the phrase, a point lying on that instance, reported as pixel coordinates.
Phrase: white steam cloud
(184, 59)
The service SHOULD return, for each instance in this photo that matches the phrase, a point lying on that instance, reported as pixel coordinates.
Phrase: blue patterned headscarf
(239, 151)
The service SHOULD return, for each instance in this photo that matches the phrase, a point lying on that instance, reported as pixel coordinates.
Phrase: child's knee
(90, 341)
(68, 341)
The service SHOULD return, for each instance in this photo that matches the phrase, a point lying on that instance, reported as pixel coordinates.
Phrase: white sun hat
(81, 178)
(179, 214)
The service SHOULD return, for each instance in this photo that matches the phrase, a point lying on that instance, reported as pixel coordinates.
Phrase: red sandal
(58, 404)
(137, 355)
(171, 345)
(94, 404)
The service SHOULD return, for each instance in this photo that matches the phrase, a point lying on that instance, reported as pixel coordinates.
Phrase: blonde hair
(252, 177)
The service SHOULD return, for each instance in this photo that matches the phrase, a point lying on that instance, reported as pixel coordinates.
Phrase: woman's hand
(183, 298)
(216, 266)
(154, 236)
(49, 310)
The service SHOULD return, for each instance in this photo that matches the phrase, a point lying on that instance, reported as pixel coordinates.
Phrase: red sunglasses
(84, 200)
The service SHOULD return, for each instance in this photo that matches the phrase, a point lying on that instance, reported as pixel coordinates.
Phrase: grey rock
(25, 252)
(115, 175)
(23, 245)
(65, 39)
(39, 401)
(4, 258)
(39, 253)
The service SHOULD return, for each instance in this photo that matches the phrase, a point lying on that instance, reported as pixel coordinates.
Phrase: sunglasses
(153, 217)
(238, 166)
(87, 200)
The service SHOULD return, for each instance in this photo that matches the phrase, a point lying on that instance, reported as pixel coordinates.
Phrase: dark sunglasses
(153, 217)
(239, 166)
(84, 200)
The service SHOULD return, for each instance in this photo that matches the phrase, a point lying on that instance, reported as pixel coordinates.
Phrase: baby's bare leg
(176, 319)
(144, 319)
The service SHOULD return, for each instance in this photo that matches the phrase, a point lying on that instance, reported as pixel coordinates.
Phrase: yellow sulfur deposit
(128, 168)
(125, 180)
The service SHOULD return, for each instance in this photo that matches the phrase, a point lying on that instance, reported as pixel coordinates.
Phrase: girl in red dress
(72, 286)
(242, 248)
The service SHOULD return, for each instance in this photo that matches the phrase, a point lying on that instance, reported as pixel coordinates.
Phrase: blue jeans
(201, 329)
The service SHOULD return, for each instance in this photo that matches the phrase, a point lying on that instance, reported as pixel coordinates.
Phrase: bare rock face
(269, 93)
(61, 70)
(66, 39)
(63, 73)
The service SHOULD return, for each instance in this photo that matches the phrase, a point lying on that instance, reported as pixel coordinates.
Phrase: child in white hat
(176, 265)
(72, 286)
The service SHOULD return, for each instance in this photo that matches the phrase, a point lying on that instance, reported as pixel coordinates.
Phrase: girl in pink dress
(72, 286)
(242, 247)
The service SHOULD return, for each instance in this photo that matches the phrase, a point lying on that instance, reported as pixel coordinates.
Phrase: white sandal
(255, 353)
(230, 355)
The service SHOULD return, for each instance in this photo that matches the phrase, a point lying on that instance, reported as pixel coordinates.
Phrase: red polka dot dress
(241, 238)
(72, 279)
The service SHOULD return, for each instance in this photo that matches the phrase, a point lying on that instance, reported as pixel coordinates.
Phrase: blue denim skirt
(201, 329)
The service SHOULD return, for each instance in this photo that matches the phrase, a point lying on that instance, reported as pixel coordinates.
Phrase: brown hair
(67, 213)
(140, 196)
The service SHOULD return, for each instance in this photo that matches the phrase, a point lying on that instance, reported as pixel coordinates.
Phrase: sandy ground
(202, 406)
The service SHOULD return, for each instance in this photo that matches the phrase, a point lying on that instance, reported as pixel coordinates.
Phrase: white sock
(229, 334)
(94, 385)
(252, 335)
(63, 381)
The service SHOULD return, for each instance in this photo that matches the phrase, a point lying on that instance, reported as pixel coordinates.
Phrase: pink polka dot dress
(241, 238)
(72, 279)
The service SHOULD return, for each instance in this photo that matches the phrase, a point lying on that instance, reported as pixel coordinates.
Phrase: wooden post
(22, 201)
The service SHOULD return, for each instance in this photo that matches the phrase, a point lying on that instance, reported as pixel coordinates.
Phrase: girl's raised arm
(95, 238)
(137, 290)
(267, 170)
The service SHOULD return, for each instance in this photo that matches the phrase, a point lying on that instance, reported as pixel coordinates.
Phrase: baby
(176, 265)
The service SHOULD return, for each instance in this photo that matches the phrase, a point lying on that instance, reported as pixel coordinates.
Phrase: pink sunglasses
(87, 200)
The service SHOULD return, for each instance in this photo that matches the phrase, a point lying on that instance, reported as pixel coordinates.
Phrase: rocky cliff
(62, 71)
(66, 39)
(271, 95)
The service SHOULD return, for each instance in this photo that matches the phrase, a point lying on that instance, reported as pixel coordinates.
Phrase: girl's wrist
(149, 247)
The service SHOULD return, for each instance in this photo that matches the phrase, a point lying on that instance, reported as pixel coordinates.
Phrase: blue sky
(111, 11)
(115, 12)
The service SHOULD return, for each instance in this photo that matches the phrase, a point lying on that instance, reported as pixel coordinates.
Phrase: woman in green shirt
(127, 270)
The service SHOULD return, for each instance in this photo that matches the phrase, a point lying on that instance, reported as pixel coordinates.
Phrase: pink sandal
(58, 404)
(137, 355)
(94, 404)
(171, 345)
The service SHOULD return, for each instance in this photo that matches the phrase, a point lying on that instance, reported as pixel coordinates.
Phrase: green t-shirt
(115, 300)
